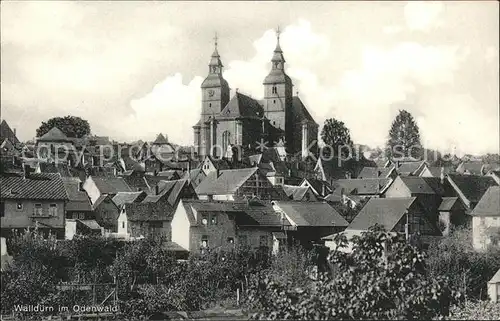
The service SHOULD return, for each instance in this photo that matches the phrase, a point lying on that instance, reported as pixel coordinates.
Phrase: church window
(274, 101)
(210, 105)
(226, 140)
(275, 90)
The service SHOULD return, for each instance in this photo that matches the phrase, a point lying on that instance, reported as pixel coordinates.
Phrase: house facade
(30, 200)
(486, 220)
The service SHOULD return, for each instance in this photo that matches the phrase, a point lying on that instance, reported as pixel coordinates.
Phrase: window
(2, 209)
(204, 219)
(213, 221)
(274, 101)
(81, 216)
(204, 241)
(38, 211)
(230, 240)
(263, 240)
(53, 209)
(123, 224)
(19, 206)
(275, 90)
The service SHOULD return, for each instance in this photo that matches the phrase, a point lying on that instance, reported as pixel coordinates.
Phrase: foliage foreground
(382, 278)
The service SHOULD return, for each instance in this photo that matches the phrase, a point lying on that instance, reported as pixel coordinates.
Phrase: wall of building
(217, 234)
(106, 214)
(91, 189)
(14, 218)
(483, 230)
(253, 236)
(150, 228)
(397, 189)
(181, 227)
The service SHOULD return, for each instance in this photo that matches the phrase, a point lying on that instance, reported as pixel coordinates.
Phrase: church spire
(215, 64)
(278, 59)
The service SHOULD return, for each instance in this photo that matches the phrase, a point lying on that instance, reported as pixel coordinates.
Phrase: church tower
(215, 96)
(278, 92)
(215, 89)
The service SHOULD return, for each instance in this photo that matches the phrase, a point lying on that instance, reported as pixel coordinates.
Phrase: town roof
(127, 197)
(447, 204)
(161, 140)
(473, 167)
(7, 133)
(360, 186)
(386, 212)
(242, 106)
(39, 186)
(170, 174)
(300, 112)
(472, 187)
(111, 185)
(436, 171)
(409, 168)
(78, 200)
(489, 205)
(91, 224)
(417, 185)
(376, 172)
(54, 135)
(296, 193)
(227, 182)
(318, 185)
(312, 213)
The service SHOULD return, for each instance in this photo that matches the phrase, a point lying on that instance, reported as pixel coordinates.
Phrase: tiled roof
(436, 171)
(227, 182)
(312, 214)
(7, 133)
(78, 200)
(127, 197)
(160, 140)
(489, 205)
(447, 203)
(111, 185)
(54, 135)
(475, 168)
(300, 112)
(295, 193)
(375, 172)
(245, 213)
(471, 186)
(61, 168)
(169, 174)
(35, 186)
(383, 211)
(91, 224)
(409, 168)
(417, 185)
(368, 186)
(242, 106)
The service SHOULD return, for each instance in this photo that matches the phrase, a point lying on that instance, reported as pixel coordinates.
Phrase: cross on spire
(215, 39)
(278, 33)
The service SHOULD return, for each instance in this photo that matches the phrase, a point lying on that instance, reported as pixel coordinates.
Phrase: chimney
(15, 132)
(442, 175)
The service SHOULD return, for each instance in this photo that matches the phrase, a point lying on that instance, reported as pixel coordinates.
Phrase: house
(410, 168)
(55, 145)
(106, 213)
(78, 206)
(470, 188)
(6, 133)
(320, 188)
(31, 200)
(234, 184)
(152, 216)
(121, 200)
(378, 172)
(429, 192)
(99, 186)
(494, 287)
(471, 168)
(486, 220)
(297, 193)
(451, 214)
(223, 225)
(398, 215)
(368, 187)
(434, 171)
(271, 165)
(310, 220)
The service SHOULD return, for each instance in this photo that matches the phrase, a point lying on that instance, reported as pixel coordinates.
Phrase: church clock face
(211, 93)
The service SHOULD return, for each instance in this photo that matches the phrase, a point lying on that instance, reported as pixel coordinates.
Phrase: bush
(383, 278)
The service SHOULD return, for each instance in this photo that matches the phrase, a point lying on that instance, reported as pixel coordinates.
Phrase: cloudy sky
(134, 69)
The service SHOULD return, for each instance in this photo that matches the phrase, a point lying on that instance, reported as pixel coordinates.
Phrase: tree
(336, 135)
(404, 137)
(71, 126)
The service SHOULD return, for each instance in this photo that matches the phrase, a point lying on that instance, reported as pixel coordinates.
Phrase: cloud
(391, 30)
(423, 15)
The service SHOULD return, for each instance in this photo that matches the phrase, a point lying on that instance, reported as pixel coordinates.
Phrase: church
(239, 124)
